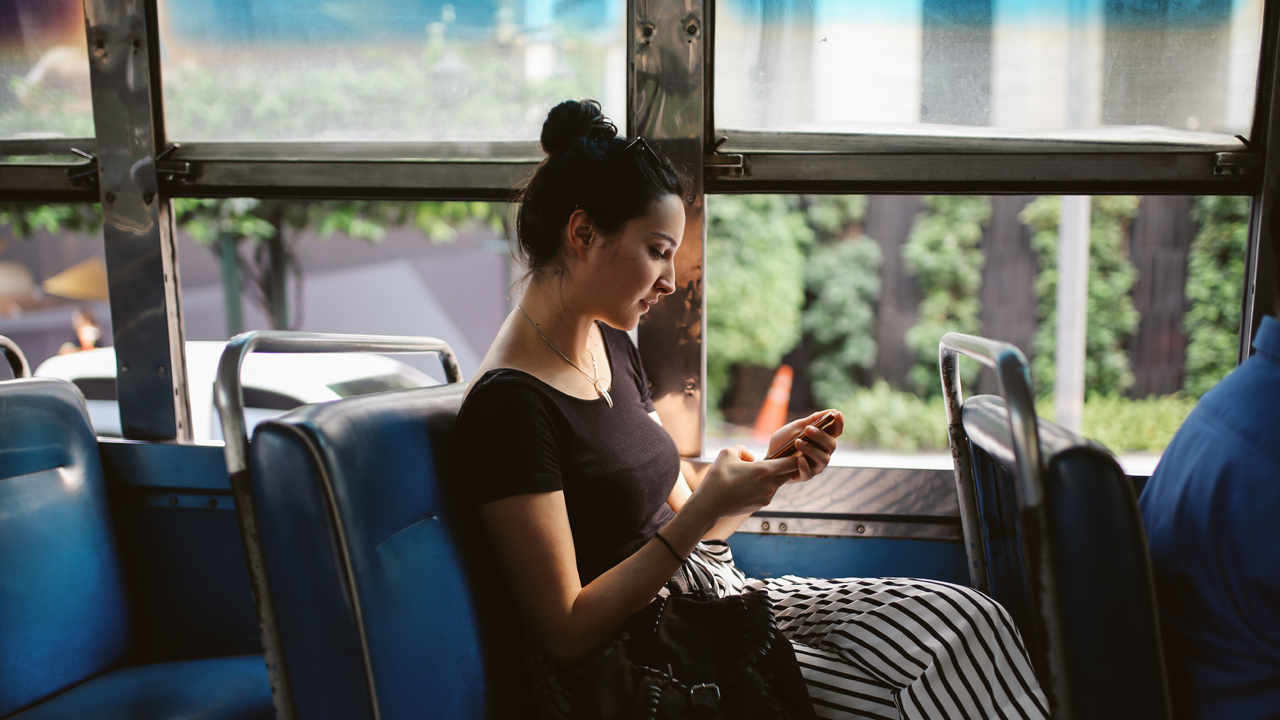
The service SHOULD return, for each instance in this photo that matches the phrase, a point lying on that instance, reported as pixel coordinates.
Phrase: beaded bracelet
(674, 554)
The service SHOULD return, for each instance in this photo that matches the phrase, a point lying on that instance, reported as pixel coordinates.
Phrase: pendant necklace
(594, 368)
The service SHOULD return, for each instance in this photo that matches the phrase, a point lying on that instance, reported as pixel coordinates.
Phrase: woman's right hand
(737, 484)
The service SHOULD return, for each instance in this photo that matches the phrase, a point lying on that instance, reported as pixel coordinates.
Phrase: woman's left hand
(815, 446)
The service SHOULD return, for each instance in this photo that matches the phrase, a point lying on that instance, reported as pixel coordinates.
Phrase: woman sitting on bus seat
(587, 508)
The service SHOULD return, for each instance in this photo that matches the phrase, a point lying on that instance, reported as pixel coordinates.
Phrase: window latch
(1237, 163)
(724, 165)
(84, 175)
(172, 169)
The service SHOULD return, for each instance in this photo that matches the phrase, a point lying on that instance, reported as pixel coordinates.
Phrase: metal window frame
(744, 163)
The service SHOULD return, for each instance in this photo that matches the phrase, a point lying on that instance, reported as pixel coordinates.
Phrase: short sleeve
(506, 441)
(637, 369)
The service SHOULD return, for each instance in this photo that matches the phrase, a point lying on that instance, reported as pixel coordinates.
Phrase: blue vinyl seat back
(63, 617)
(1114, 661)
(364, 544)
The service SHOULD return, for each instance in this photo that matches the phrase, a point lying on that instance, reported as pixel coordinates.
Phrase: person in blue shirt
(1212, 512)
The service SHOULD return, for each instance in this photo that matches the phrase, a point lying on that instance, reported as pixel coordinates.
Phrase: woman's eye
(656, 253)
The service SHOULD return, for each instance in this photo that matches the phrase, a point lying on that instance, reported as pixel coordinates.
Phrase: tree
(843, 286)
(755, 282)
(1215, 271)
(1112, 317)
(943, 254)
(271, 230)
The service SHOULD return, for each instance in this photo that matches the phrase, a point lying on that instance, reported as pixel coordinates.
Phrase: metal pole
(137, 223)
(666, 105)
(233, 308)
(1072, 311)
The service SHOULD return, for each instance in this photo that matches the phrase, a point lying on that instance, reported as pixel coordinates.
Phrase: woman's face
(630, 271)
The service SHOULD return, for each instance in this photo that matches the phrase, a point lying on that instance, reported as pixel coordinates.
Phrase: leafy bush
(1215, 274)
(755, 282)
(843, 285)
(888, 419)
(1112, 317)
(942, 253)
(1127, 425)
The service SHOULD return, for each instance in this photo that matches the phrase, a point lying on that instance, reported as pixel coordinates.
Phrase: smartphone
(789, 449)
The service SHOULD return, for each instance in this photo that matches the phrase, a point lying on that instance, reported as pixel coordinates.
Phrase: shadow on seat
(1054, 534)
(387, 605)
(64, 623)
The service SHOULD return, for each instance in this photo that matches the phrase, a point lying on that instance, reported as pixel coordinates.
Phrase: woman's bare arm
(534, 544)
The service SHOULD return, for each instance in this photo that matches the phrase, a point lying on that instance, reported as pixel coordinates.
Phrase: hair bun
(573, 120)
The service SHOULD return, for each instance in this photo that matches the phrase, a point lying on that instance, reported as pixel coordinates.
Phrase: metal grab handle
(228, 396)
(17, 361)
(1048, 650)
(1015, 387)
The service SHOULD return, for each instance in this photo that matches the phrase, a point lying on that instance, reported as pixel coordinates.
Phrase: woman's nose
(666, 283)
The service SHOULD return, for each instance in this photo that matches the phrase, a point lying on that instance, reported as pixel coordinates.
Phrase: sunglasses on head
(643, 147)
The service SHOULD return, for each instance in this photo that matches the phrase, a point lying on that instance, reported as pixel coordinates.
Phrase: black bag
(687, 656)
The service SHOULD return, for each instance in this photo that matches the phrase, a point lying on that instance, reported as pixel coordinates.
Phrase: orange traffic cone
(773, 412)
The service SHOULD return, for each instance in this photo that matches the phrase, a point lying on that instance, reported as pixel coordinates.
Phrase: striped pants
(888, 647)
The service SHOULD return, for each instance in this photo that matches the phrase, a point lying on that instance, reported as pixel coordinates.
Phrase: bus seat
(1107, 622)
(64, 620)
(371, 562)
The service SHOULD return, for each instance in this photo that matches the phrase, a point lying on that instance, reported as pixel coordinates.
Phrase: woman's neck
(566, 327)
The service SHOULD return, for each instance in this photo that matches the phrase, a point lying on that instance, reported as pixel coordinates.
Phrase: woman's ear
(582, 232)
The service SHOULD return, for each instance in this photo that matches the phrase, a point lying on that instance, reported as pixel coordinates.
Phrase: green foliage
(1127, 425)
(25, 219)
(755, 282)
(844, 283)
(888, 419)
(1112, 317)
(448, 90)
(835, 217)
(942, 253)
(45, 110)
(1215, 274)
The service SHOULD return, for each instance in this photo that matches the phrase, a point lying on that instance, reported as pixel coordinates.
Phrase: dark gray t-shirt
(616, 466)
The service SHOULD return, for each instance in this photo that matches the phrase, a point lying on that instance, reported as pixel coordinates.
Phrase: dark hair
(587, 166)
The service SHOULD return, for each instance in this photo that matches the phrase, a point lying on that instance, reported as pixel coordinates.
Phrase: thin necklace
(594, 368)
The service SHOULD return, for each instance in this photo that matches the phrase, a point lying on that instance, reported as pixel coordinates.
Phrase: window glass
(1054, 67)
(385, 69)
(44, 70)
(437, 269)
(843, 300)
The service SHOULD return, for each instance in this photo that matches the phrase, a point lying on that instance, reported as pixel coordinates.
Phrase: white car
(273, 383)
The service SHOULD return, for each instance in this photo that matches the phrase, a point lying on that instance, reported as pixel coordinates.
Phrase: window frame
(742, 163)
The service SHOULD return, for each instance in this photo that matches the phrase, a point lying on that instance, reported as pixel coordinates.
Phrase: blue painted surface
(164, 465)
(764, 556)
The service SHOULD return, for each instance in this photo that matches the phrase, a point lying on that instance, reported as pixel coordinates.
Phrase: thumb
(780, 467)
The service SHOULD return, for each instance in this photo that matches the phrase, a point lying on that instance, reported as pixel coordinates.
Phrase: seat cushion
(230, 688)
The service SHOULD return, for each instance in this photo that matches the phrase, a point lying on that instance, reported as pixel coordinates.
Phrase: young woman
(588, 510)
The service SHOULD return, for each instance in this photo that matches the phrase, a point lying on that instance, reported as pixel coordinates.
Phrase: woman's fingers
(817, 457)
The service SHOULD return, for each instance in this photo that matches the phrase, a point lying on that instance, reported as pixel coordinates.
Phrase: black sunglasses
(644, 146)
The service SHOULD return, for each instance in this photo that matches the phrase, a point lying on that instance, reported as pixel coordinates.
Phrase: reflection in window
(1040, 65)
(853, 293)
(385, 70)
(53, 280)
(44, 70)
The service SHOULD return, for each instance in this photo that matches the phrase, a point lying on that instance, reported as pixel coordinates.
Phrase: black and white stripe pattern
(884, 648)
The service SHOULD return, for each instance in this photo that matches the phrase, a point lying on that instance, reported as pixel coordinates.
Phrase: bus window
(432, 71)
(852, 293)
(1018, 70)
(44, 71)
